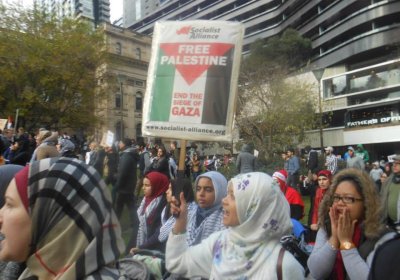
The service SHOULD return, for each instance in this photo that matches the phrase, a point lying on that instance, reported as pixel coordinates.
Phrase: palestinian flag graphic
(192, 93)
(192, 81)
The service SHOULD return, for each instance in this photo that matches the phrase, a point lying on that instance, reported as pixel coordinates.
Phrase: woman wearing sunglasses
(350, 227)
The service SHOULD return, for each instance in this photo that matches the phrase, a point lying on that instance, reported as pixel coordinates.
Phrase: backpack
(296, 244)
(301, 254)
(144, 265)
(131, 269)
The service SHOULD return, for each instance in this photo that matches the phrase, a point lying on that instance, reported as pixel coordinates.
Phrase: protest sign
(108, 139)
(3, 123)
(192, 80)
(390, 158)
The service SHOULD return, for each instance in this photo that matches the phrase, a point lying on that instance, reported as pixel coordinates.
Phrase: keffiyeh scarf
(143, 217)
(148, 206)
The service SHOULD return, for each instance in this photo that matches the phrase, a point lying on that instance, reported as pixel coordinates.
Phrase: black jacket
(127, 168)
(161, 165)
(97, 160)
(312, 162)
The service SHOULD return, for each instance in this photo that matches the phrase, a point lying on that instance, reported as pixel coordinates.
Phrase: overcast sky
(115, 7)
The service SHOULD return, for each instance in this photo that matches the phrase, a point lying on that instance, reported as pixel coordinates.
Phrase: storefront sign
(373, 121)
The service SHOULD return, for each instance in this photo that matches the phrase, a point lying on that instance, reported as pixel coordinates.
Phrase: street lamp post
(121, 78)
(318, 73)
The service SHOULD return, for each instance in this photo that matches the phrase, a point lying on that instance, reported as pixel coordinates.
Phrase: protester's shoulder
(290, 263)
(385, 236)
(292, 192)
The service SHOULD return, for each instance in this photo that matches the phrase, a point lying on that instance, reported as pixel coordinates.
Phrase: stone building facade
(123, 77)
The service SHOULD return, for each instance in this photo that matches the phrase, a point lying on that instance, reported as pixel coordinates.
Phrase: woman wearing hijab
(58, 218)
(257, 216)
(155, 184)
(8, 270)
(46, 145)
(351, 226)
(66, 148)
(205, 216)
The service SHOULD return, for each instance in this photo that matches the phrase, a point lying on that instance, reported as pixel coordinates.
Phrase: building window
(119, 129)
(138, 130)
(118, 101)
(139, 83)
(139, 101)
(118, 48)
(138, 53)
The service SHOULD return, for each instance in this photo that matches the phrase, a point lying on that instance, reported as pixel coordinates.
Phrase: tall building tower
(134, 10)
(355, 48)
(96, 11)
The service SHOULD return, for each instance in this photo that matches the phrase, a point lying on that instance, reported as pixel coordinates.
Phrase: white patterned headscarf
(264, 217)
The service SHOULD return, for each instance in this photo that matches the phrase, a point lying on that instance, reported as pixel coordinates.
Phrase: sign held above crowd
(192, 80)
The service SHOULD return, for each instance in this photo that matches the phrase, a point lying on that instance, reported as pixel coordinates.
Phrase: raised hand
(334, 217)
(345, 228)
(179, 210)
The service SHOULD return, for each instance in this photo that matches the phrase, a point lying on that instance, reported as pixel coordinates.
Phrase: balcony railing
(363, 81)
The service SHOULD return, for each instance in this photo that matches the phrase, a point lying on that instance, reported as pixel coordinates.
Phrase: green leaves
(47, 68)
(274, 111)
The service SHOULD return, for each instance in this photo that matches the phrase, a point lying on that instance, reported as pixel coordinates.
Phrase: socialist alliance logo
(199, 32)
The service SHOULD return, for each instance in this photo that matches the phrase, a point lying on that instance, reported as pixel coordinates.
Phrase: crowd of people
(61, 211)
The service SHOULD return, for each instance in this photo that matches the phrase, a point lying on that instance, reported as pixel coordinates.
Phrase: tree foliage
(288, 52)
(274, 112)
(48, 68)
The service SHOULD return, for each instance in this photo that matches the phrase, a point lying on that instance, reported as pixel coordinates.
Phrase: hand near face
(179, 211)
(334, 217)
(345, 228)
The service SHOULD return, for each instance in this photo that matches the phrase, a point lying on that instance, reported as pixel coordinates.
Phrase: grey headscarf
(66, 145)
(8, 270)
(7, 173)
(219, 182)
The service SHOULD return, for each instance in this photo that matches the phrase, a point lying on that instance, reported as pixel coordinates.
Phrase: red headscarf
(159, 185)
(21, 181)
(325, 173)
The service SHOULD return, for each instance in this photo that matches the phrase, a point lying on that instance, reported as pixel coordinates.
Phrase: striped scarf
(144, 215)
(75, 233)
(210, 224)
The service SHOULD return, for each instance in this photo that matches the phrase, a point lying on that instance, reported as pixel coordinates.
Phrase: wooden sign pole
(182, 157)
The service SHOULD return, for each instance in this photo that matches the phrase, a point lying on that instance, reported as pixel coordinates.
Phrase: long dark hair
(164, 151)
